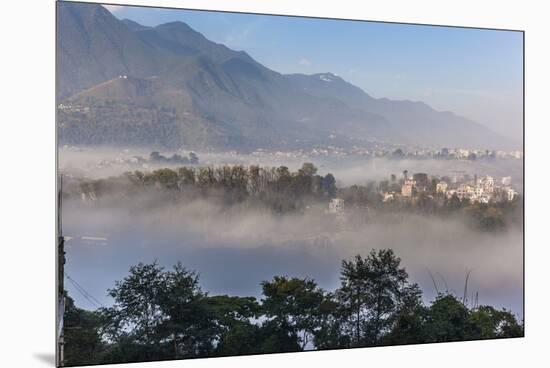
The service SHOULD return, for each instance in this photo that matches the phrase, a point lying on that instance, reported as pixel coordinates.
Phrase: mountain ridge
(214, 90)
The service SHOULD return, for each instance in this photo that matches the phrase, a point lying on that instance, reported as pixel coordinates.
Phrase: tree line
(161, 314)
(277, 188)
(282, 191)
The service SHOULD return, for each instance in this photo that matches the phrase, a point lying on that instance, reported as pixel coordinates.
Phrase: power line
(96, 303)
(83, 293)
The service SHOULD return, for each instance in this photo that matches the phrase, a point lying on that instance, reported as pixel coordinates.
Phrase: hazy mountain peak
(176, 25)
(233, 101)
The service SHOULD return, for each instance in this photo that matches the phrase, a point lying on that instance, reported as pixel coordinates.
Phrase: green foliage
(487, 322)
(82, 336)
(137, 302)
(278, 189)
(371, 294)
(408, 323)
(163, 314)
(487, 218)
(296, 305)
(166, 177)
(447, 320)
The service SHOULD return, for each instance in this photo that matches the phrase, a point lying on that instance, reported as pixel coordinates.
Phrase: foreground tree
(82, 334)
(160, 314)
(163, 314)
(447, 320)
(372, 292)
(487, 323)
(408, 324)
(136, 314)
(295, 305)
(186, 321)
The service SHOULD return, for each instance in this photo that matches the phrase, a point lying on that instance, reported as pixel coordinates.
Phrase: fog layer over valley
(348, 169)
(234, 248)
(211, 206)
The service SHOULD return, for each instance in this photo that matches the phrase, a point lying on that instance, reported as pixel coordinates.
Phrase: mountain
(123, 83)
(134, 26)
(93, 46)
(417, 122)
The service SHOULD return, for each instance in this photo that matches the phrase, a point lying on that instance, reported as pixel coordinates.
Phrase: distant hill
(415, 121)
(124, 83)
(93, 46)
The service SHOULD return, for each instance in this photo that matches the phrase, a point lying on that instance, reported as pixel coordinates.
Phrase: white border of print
(28, 179)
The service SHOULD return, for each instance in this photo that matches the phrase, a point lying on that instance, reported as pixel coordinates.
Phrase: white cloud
(304, 62)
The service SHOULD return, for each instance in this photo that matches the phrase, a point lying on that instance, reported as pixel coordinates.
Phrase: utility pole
(60, 281)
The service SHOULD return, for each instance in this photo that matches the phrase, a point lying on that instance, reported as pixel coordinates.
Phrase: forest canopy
(160, 313)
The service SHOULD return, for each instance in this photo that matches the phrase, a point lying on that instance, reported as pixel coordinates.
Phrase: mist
(234, 249)
(347, 169)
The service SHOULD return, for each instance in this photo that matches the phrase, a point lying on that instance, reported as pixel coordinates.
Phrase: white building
(506, 181)
(463, 191)
(441, 187)
(336, 206)
(488, 184)
(477, 194)
(407, 188)
(483, 199)
(511, 194)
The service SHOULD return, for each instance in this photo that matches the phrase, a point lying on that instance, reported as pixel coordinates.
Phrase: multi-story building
(478, 191)
(463, 191)
(407, 188)
(511, 194)
(441, 187)
(487, 183)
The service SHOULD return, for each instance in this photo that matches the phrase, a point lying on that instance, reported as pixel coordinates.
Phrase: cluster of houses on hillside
(483, 189)
(389, 152)
(73, 108)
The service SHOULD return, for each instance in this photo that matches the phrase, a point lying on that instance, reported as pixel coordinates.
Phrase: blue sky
(474, 73)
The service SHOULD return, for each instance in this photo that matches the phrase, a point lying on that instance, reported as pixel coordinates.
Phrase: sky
(475, 73)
